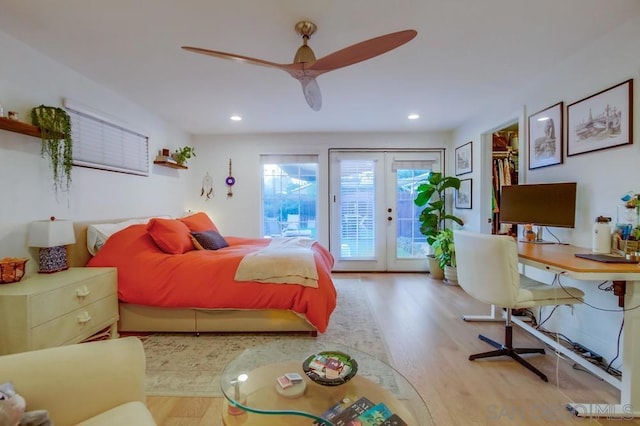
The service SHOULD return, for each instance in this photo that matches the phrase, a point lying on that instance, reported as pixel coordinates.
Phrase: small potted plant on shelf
(55, 130)
(433, 218)
(181, 155)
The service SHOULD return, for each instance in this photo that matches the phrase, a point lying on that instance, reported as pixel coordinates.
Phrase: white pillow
(99, 233)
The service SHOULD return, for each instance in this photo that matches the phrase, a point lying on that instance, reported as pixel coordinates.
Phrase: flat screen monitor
(544, 204)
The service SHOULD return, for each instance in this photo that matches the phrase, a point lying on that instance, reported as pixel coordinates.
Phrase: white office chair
(488, 271)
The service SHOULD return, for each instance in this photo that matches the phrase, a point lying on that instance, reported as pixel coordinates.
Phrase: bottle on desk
(601, 236)
(529, 234)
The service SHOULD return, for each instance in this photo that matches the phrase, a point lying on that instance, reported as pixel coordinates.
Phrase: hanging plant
(57, 145)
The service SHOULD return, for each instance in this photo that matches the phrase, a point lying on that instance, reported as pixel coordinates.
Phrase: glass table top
(277, 383)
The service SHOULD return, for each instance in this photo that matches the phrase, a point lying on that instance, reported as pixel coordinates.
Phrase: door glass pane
(289, 198)
(411, 243)
(358, 198)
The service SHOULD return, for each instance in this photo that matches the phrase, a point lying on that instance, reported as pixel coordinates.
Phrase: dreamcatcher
(207, 186)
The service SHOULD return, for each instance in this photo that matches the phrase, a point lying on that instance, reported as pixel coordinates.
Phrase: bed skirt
(138, 318)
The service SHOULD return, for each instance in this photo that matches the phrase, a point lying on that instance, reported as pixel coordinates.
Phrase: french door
(373, 219)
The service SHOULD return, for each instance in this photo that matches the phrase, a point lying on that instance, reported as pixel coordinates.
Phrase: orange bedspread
(205, 278)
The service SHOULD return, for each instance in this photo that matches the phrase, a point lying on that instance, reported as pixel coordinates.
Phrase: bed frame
(140, 318)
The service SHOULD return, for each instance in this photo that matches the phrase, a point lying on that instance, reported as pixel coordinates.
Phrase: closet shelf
(19, 127)
(497, 154)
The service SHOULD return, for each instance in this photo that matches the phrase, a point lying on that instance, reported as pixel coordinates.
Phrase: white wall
(602, 176)
(240, 214)
(29, 78)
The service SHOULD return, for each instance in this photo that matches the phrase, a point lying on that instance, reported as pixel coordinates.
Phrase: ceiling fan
(305, 68)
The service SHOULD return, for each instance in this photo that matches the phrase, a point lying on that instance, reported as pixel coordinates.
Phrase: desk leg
(495, 315)
(629, 406)
(630, 391)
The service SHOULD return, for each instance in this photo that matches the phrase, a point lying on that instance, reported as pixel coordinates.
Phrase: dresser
(45, 310)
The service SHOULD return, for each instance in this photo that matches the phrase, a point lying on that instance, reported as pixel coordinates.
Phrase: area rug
(183, 364)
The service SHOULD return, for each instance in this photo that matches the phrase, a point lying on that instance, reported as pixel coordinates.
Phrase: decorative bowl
(11, 269)
(330, 368)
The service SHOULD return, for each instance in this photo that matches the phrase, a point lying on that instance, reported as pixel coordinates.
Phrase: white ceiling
(468, 54)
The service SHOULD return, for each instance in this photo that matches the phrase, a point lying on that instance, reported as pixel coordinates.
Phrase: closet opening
(504, 171)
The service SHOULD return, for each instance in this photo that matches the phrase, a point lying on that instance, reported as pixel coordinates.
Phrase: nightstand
(45, 310)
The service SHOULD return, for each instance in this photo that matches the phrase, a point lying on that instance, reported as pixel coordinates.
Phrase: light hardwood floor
(429, 343)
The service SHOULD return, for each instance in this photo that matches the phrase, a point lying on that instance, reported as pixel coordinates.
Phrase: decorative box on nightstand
(45, 310)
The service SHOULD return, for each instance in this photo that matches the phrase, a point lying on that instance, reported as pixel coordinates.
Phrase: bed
(166, 284)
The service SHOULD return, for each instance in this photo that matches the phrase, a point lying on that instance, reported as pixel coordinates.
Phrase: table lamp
(51, 236)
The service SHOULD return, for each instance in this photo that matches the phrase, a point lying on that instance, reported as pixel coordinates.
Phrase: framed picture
(464, 159)
(601, 121)
(545, 137)
(463, 195)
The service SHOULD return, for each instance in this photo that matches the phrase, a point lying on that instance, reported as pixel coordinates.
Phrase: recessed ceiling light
(413, 116)
(236, 118)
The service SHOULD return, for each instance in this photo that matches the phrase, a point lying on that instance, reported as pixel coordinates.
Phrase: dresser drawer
(76, 325)
(60, 301)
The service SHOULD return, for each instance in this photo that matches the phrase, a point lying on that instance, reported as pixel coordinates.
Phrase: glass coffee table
(254, 395)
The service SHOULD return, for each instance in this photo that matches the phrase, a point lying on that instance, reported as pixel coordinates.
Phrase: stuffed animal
(12, 410)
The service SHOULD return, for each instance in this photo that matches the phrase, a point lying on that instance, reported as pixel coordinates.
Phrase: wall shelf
(19, 127)
(171, 165)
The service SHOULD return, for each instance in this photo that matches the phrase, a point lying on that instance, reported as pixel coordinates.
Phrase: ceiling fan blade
(360, 52)
(236, 58)
(311, 92)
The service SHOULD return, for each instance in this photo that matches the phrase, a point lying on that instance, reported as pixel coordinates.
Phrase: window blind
(100, 144)
(357, 209)
(411, 165)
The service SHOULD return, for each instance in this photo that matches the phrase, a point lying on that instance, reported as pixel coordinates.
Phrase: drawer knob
(83, 291)
(84, 318)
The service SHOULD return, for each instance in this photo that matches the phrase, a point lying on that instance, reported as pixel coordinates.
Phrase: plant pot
(451, 275)
(434, 268)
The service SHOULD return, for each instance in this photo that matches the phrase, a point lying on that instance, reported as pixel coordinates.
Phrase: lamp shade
(51, 233)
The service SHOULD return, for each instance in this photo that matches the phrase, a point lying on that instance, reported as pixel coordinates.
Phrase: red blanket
(205, 278)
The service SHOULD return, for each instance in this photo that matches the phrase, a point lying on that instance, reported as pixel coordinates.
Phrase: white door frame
(385, 230)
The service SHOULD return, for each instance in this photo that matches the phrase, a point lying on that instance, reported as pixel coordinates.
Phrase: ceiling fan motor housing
(304, 54)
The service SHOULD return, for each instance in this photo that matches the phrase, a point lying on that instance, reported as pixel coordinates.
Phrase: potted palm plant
(433, 218)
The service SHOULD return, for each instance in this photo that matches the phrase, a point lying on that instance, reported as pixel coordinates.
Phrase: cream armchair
(98, 383)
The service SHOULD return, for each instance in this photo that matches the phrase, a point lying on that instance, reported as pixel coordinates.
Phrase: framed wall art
(464, 159)
(601, 121)
(463, 195)
(545, 137)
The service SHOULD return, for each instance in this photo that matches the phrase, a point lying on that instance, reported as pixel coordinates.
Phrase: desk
(558, 258)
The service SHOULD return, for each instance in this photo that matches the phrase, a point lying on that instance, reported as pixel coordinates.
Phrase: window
(100, 144)
(357, 209)
(289, 195)
(411, 243)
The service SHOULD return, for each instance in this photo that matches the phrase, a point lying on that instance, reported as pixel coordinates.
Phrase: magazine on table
(352, 411)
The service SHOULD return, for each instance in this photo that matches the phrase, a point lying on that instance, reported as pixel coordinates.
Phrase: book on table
(362, 412)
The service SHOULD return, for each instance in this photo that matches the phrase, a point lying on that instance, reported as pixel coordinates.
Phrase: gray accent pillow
(209, 240)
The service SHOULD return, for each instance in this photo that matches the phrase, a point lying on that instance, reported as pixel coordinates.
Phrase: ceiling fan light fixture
(304, 54)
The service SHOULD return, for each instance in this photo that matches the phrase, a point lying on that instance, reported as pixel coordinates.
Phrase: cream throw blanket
(286, 260)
